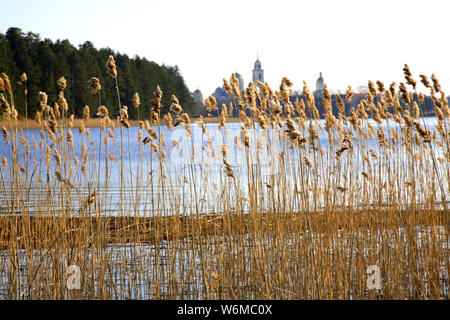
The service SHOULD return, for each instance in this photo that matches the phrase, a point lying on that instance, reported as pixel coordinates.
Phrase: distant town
(224, 98)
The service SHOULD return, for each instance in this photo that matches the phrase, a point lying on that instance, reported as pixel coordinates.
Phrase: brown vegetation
(308, 227)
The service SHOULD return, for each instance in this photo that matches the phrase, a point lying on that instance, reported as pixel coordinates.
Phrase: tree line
(45, 61)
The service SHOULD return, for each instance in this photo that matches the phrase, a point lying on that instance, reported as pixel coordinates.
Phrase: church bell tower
(257, 73)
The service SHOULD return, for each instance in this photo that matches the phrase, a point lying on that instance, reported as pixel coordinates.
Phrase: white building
(198, 96)
(319, 83)
(257, 73)
(241, 80)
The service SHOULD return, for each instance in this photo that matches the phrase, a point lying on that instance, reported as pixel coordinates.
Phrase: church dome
(198, 96)
(240, 78)
(319, 83)
(320, 79)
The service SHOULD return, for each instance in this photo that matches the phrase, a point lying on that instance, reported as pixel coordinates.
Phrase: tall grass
(282, 205)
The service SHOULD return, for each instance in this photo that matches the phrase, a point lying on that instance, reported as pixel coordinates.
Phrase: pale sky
(349, 41)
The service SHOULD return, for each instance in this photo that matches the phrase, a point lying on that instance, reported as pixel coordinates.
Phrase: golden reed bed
(34, 232)
(383, 181)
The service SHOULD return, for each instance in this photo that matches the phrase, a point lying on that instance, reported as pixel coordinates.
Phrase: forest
(45, 61)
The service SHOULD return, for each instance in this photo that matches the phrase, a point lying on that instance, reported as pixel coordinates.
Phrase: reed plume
(136, 100)
(62, 83)
(6, 83)
(111, 67)
(94, 85)
(408, 76)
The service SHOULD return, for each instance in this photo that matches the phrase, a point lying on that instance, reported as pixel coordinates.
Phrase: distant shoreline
(93, 123)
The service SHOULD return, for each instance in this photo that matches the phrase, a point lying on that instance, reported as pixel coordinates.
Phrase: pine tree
(45, 62)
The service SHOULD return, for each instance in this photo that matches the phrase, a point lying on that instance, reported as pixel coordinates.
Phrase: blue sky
(349, 41)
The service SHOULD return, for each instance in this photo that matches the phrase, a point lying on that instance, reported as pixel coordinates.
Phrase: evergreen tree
(45, 62)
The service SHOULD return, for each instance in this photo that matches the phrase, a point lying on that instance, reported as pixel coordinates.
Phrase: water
(177, 269)
(186, 183)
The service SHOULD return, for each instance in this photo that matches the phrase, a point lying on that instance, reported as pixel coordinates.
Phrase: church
(257, 75)
(319, 83)
(318, 93)
(258, 72)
